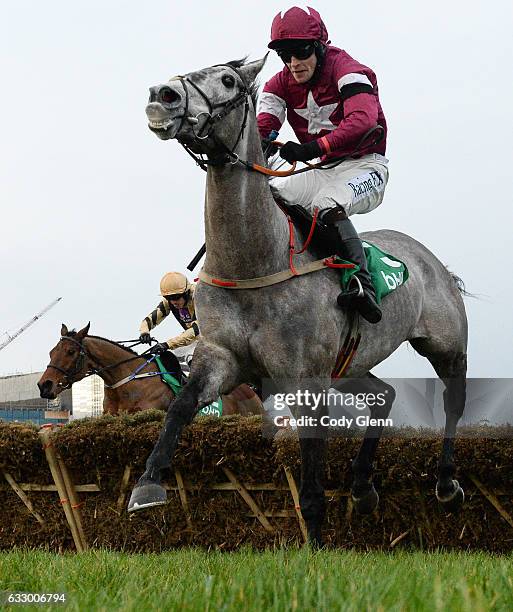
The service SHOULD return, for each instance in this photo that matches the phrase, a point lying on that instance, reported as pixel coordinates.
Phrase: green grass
(281, 580)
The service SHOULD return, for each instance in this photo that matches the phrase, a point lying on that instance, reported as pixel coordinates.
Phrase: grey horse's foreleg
(452, 370)
(312, 444)
(364, 495)
(148, 491)
(311, 494)
(203, 388)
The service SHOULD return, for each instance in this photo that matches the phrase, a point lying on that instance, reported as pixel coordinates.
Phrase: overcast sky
(95, 208)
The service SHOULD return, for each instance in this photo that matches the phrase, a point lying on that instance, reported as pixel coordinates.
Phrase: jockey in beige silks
(331, 101)
(178, 298)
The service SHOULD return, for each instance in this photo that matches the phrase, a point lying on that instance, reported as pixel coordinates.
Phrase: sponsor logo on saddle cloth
(387, 272)
(213, 409)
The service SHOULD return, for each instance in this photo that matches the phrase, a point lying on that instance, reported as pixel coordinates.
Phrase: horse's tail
(460, 285)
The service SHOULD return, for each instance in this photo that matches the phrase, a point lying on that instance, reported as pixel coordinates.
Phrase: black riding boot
(360, 293)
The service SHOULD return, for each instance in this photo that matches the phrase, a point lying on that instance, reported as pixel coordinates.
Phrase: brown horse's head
(68, 363)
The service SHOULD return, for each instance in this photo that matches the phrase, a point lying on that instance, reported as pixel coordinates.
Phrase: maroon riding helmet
(297, 24)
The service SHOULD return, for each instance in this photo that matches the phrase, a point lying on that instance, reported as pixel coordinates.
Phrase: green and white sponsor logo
(387, 272)
(213, 409)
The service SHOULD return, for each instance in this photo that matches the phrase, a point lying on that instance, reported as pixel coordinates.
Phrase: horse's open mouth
(161, 121)
(160, 125)
(163, 128)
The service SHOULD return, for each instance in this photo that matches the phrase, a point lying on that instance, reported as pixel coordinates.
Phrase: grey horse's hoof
(366, 504)
(146, 496)
(315, 538)
(453, 501)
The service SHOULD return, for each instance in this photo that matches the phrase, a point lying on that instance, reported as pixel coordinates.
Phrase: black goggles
(175, 296)
(301, 52)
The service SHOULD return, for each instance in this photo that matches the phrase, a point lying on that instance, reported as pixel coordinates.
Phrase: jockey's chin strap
(207, 130)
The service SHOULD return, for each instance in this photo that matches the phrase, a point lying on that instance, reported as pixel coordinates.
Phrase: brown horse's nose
(45, 389)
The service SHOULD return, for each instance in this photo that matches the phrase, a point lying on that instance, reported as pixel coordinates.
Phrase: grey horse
(291, 332)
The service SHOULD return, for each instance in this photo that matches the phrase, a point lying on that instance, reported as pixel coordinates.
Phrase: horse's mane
(253, 88)
(73, 333)
(169, 359)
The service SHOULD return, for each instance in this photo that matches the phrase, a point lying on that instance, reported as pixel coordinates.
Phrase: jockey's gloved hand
(269, 147)
(145, 338)
(159, 348)
(292, 151)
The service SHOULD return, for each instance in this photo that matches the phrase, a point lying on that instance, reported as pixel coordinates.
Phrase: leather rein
(79, 364)
(228, 156)
(207, 130)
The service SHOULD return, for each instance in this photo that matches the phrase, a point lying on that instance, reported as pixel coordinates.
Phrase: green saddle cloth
(387, 272)
(213, 409)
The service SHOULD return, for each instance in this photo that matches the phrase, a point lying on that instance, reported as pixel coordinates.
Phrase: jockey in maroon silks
(331, 101)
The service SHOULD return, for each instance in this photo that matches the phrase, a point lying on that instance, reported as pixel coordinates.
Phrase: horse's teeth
(160, 124)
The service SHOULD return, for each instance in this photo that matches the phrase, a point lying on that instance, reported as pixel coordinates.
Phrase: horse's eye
(71, 352)
(228, 80)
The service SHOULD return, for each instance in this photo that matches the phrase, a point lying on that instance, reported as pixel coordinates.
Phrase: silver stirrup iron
(360, 287)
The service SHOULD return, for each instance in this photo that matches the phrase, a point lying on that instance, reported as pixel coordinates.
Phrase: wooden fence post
(183, 498)
(123, 489)
(61, 487)
(22, 496)
(295, 497)
(249, 500)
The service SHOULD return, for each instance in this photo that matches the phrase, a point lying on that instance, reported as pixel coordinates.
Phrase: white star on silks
(318, 117)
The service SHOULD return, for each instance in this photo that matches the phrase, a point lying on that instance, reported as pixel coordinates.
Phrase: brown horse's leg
(243, 400)
(229, 405)
(110, 405)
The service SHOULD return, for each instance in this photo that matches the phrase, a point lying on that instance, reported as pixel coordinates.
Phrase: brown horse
(78, 355)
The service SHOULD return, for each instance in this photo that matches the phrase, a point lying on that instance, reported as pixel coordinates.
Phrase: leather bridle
(79, 364)
(207, 130)
(228, 156)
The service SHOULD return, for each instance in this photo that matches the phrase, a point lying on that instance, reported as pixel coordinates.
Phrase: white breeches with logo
(358, 185)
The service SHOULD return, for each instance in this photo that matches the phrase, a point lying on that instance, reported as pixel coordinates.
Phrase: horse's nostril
(45, 386)
(168, 96)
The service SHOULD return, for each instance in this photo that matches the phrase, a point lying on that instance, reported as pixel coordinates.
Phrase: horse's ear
(64, 330)
(83, 332)
(250, 71)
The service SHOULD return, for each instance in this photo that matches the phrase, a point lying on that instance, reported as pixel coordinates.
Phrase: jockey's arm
(272, 108)
(155, 317)
(360, 115)
(185, 338)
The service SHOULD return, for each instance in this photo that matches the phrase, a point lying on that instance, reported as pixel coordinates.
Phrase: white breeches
(358, 185)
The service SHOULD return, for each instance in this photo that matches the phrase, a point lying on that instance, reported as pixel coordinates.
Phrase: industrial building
(20, 401)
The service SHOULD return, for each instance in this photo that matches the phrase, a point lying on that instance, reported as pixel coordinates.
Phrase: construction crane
(28, 324)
